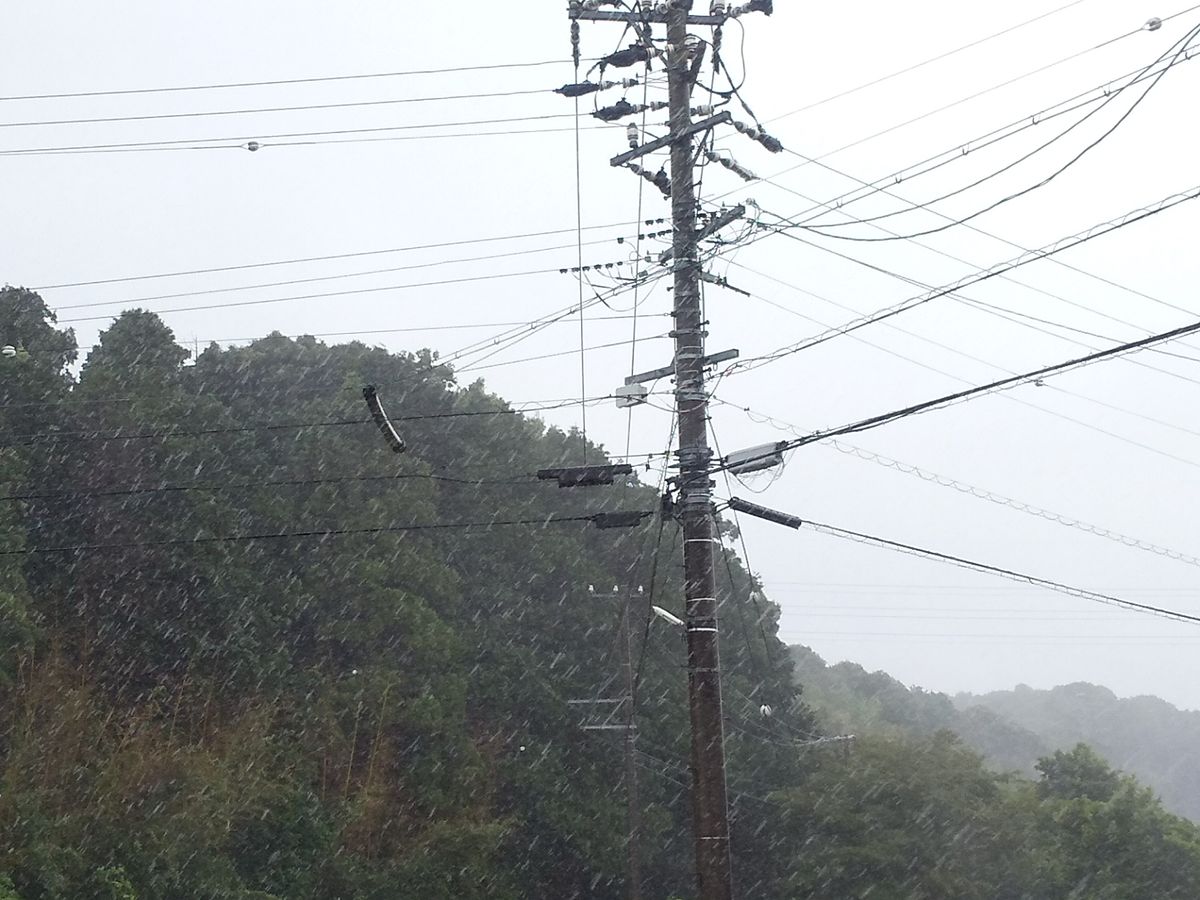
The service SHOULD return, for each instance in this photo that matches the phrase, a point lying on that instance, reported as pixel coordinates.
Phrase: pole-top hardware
(754, 459)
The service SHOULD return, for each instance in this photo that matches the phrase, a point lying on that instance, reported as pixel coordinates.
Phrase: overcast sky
(1112, 445)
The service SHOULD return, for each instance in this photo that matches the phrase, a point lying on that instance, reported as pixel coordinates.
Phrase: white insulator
(9, 350)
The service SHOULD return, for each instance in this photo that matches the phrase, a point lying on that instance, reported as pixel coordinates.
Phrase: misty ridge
(240, 662)
(1143, 736)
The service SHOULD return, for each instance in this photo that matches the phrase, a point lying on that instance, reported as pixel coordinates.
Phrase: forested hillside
(849, 699)
(248, 652)
(1144, 735)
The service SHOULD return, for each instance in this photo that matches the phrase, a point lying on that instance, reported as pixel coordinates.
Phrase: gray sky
(1082, 445)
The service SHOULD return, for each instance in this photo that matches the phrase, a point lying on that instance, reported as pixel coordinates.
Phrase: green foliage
(192, 716)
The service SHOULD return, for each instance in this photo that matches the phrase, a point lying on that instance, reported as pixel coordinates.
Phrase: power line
(361, 274)
(1010, 574)
(283, 81)
(822, 229)
(1097, 94)
(958, 352)
(316, 533)
(355, 104)
(983, 275)
(1018, 505)
(334, 256)
(243, 142)
(993, 386)
(1054, 260)
(926, 62)
(344, 293)
(984, 92)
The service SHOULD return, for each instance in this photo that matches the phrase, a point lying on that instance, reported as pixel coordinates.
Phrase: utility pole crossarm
(658, 143)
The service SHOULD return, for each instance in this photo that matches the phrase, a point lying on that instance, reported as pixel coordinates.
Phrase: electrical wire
(342, 293)
(1018, 505)
(959, 352)
(992, 387)
(980, 276)
(240, 142)
(355, 104)
(1037, 119)
(282, 81)
(329, 257)
(1035, 581)
(860, 141)
(1054, 260)
(510, 254)
(926, 62)
(824, 229)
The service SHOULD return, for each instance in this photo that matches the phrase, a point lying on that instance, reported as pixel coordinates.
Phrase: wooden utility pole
(714, 870)
(694, 506)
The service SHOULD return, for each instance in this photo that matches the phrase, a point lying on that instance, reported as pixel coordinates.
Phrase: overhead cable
(328, 257)
(282, 81)
(926, 62)
(1033, 580)
(975, 278)
(992, 387)
(356, 104)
